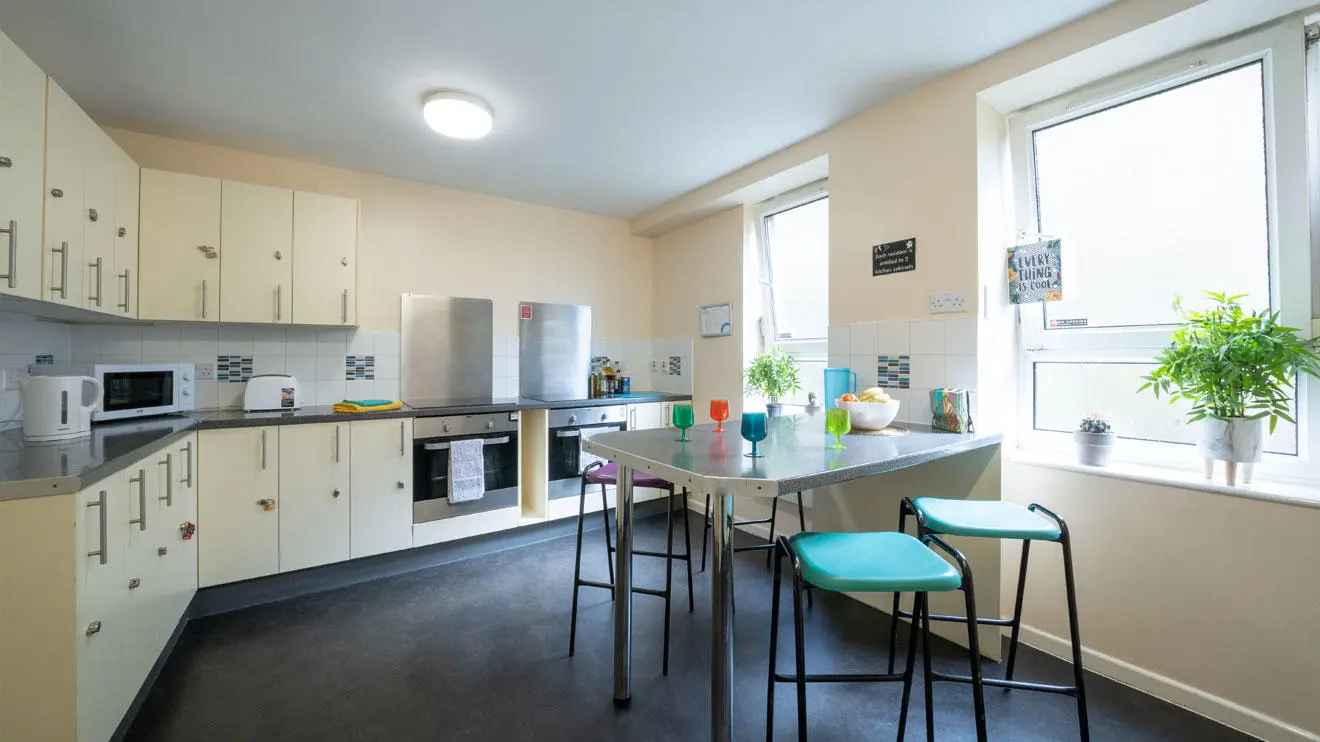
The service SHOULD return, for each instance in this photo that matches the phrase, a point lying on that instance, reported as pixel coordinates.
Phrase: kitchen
(348, 435)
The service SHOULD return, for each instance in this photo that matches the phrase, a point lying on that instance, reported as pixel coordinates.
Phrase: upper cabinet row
(222, 251)
(82, 226)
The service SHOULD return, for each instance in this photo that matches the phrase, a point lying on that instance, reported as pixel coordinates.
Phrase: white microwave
(135, 389)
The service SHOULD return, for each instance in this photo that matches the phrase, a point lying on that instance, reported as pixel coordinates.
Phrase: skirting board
(1198, 701)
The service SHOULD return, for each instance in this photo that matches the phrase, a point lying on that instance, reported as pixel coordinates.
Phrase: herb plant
(772, 375)
(1232, 363)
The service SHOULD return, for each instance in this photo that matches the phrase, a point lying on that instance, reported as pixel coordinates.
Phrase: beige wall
(422, 239)
(702, 263)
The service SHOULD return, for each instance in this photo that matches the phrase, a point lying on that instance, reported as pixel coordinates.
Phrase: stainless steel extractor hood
(447, 348)
(554, 350)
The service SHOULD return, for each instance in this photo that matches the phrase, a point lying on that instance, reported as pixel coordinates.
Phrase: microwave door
(134, 393)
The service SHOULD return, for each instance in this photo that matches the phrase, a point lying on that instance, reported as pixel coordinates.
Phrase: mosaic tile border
(360, 368)
(894, 372)
(233, 369)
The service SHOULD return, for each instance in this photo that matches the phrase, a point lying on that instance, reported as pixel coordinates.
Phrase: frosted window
(799, 255)
(1161, 196)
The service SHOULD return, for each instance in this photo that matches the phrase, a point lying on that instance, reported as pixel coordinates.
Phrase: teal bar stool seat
(1000, 520)
(870, 562)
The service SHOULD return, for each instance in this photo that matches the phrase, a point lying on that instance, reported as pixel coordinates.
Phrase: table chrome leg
(721, 670)
(623, 578)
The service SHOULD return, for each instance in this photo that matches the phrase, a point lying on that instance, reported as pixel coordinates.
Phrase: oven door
(567, 459)
(431, 477)
(136, 392)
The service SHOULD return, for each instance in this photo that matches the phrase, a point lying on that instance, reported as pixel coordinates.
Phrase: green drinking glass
(837, 423)
(684, 418)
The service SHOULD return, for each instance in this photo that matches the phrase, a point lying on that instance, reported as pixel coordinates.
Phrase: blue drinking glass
(753, 430)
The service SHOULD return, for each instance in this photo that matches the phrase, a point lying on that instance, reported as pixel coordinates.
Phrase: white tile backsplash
(926, 336)
(892, 338)
(927, 371)
(839, 341)
(960, 336)
(960, 371)
(864, 338)
(865, 368)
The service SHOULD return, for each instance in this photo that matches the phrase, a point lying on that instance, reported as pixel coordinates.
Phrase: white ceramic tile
(122, 341)
(926, 336)
(329, 392)
(117, 359)
(302, 368)
(838, 361)
(267, 363)
(839, 339)
(499, 367)
(387, 367)
(919, 406)
(892, 338)
(865, 368)
(863, 339)
(229, 395)
(387, 388)
(512, 345)
(360, 389)
(598, 346)
(234, 340)
(362, 343)
(160, 342)
(300, 342)
(329, 342)
(960, 371)
(85, 340)
(330, 368)
(960, 336)
(10, 401)
(206, 395)
(198, 343)
(927, 371)
(269, 341)
(387, 344)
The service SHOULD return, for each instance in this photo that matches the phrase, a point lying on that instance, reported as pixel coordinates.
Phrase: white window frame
(1280, 50)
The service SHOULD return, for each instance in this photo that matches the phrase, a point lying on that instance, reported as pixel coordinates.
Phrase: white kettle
(55, 407)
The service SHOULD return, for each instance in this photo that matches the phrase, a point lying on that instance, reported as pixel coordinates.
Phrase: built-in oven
(568, 428)
(432, 440)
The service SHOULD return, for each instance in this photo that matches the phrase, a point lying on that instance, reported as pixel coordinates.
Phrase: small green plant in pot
(772, 375)
(1095, 441)
(1237, 368)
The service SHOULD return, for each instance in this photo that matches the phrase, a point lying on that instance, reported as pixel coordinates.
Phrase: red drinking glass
(719, 412)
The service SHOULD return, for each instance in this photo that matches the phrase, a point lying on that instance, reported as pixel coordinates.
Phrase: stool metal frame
(668, 555)
(769, 545)
(1077, 690)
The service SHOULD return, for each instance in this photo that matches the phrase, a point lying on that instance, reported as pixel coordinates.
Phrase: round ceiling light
(457, 115)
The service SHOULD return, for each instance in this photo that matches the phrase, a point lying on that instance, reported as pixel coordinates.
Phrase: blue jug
(838, 382)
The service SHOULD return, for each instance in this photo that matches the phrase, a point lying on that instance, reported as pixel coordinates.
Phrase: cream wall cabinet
(325, 259)
(256, 266)
(238, 480)
(314, 495)
(100, 165)
(382, 475)
(22, 171)
(66, 143)
(127, 201)
(179, 247)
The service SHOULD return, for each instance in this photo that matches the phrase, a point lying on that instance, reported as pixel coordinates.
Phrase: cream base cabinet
(325, 259)
(177, 497)
(66, 140)
(179, 247)
(256, 271)
(104, 626)
(647, 416)
(238, 482)
(314, 495)
(22, 171)
(127, 200)
(382, 486)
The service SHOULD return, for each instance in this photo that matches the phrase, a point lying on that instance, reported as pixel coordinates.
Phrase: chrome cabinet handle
(203, 298)
(168, 463)
(263, 449)
(63, 288)
(101, 552)
(336, 446)
(279, 302)
(141, 480)
(127, 283)
(99, 265)
(344, 307)
(12, 275)
(188, 478)
(403, 437)
(93, 628)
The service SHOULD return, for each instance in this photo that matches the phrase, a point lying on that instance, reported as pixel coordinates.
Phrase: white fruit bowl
(870, 415)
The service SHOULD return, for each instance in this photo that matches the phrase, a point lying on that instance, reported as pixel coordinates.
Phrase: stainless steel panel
(447, 347)
(587, 416)
(554, 350)
(457, 426)
(425, 511)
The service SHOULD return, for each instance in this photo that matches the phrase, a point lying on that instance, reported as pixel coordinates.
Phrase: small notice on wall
(894, 257)
(1035, 272)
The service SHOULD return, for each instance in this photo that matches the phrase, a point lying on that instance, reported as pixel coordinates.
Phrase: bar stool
(605, 474)
(769, 545)
(870, 562)
(1001, 520)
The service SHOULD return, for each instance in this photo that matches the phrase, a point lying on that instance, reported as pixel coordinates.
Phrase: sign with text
(894, 257)
(1035, 272)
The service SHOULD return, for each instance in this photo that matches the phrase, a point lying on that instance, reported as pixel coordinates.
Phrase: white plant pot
(1094, 449)
(1238, 440)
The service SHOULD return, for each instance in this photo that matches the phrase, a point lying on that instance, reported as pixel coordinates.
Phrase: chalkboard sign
(894, 257)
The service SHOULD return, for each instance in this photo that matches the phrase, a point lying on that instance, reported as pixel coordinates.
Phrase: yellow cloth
(353, 407)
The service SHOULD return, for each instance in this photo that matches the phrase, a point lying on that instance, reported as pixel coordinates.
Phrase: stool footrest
(1066, 690)
(608, 586)
(962, 619)
(660, 554)
(835, 678)
(754, 547)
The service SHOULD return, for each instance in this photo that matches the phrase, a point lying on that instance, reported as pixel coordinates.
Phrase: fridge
(554, 351)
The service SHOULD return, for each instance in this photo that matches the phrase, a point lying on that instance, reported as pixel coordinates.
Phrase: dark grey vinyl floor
(477, 650)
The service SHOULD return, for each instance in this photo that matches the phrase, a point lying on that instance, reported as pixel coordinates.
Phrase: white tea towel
(585, 459)
(467, 471)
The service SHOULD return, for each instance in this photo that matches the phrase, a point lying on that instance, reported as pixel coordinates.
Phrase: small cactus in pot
(1095, 441)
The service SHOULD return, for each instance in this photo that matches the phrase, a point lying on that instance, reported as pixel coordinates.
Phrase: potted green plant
(1095, 441)
(772, 375)
(1237, 368)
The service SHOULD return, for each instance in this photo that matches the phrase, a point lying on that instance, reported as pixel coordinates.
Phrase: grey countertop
(795, 455)
(40, 469)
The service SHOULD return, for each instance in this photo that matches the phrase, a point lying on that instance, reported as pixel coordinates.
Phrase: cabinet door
(238, 532)
(22, 171)
(179, 247)
(314, 495)
(178, 499)
(256, 235)
(144, 637)
(104, 622)
(65, 144)
(99, 166)
(649, 415)
(324, 259)
(127, 179)
(382, 465)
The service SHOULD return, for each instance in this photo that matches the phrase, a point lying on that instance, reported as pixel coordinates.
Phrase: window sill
(1286, 493)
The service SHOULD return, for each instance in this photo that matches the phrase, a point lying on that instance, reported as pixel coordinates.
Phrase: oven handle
(444, 445)
(577, 432)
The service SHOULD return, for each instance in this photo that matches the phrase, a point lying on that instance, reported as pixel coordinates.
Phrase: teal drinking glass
(753, 430)
(684, 418)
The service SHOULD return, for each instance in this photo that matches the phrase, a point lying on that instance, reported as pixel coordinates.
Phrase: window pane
(1066, 392)
(799, 242)
(1158, 197)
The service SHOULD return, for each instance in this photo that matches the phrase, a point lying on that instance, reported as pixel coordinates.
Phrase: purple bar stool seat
(608, 473)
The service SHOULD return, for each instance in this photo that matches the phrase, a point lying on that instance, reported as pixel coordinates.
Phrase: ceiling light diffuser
(457, 115)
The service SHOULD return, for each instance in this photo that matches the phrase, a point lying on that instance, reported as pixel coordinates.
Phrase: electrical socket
(206, 372)
(10, 376)
(947, 302)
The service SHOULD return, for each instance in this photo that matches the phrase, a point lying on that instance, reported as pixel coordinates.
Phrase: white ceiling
(604, 106)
